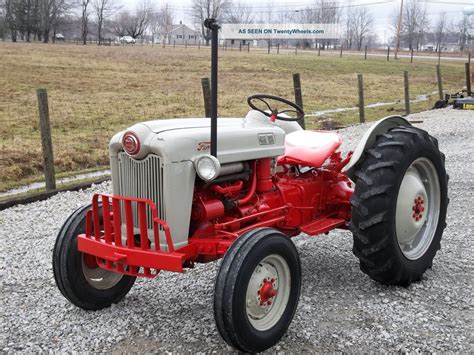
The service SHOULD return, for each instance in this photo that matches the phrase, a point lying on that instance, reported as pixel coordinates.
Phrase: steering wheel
(274, 114)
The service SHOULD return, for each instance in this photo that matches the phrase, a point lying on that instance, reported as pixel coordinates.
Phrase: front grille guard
(135, 257)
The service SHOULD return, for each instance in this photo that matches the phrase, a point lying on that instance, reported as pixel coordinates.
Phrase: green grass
(97, 91)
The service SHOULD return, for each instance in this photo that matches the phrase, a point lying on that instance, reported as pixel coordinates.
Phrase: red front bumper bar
(136, 257)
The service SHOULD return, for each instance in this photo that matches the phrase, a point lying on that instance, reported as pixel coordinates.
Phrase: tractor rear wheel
(257, 290)
(399, 206)
(78, 276)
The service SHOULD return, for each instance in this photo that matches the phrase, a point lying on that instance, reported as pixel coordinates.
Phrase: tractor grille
(142, 179)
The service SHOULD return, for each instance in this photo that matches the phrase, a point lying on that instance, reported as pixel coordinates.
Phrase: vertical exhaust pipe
(212, 25)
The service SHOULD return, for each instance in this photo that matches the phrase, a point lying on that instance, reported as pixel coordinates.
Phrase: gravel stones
(340, 308)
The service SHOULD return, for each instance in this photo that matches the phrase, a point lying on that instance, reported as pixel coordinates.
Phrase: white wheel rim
(99, 278)
(268, 292)
(418, 205)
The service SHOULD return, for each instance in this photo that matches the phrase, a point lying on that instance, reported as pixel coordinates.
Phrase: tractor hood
(178, 140)
(158, 126)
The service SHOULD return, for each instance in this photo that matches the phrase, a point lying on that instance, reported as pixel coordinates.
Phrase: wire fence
(82, 125)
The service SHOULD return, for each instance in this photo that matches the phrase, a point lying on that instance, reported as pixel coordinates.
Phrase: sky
(383, 11)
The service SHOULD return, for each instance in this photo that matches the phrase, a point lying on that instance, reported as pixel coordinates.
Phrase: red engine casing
(293, 198)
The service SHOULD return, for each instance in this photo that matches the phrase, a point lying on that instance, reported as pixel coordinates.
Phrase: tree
(51, 13)
(362, 22)
(440, 29)
(463, 29)
(103, 9)
(121, 23)
(415, 23)
(323, 11)
(349, 29)
(239, 13)
(84, 20)
(161, 22)
(3, 23)
(135, 25)
(203, 9)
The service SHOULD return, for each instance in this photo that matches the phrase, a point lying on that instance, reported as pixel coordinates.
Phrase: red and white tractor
(189, 191)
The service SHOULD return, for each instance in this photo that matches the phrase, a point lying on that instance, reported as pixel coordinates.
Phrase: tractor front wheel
(78, 276)
(399, 206)
(257, 290)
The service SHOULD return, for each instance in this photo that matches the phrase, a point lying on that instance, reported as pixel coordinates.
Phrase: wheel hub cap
(268, 292)
(417, 210)
(97, 277)
(410, 219)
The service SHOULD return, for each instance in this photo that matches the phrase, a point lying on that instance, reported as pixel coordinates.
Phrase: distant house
(181, 34)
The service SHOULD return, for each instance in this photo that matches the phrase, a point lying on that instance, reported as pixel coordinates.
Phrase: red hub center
(266, 292)
(90, 261)
(418, 208)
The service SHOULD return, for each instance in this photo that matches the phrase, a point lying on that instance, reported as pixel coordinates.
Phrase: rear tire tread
(376, 186)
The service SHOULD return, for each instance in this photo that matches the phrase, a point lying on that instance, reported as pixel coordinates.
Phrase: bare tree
(362, 22)
(463, 28)
(415, 24)
(37, 18)
(103, 10)
(322, 11)
(267, 16)
(349, 29)
(121, 23)
(3, 22)
(10, 20)
(84, 20)
(135, 25)
(51, 12)
(161, 22)
(203, 9)
(440, 29)
(239, 13)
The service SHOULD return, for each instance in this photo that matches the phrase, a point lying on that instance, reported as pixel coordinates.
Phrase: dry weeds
(96, 91)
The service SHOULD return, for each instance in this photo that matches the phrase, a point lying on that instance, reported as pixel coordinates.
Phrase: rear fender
(368, 139)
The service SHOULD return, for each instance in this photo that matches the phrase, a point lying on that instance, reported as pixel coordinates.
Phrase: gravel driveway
(340, 308)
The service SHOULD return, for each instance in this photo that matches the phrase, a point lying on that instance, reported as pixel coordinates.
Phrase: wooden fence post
(278, 48)
(186, 45)
(407, 92)
(340, 53)
(440, 82)
(411, 56)
(298, 96)
(468, 78)
(206, 92)
(319, 51)
(296, 50)
(248, 47)
(240, 47)
(360, 81)
(388, 53)
(199, 44)
(46, 141)
(365, 53)
(269, 46)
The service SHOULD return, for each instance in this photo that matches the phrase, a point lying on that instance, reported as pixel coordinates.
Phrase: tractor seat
(309, 148)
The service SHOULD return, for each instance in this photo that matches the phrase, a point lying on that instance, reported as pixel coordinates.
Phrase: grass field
(96, 91)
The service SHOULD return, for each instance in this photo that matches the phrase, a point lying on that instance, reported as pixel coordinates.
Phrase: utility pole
(398, 28)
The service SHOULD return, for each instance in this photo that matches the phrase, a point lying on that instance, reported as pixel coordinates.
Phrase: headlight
(207, 167)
